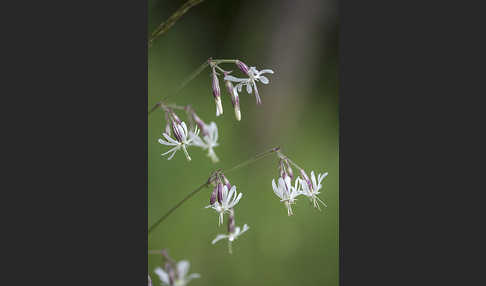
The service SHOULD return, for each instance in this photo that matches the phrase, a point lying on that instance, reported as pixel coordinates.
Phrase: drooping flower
(208, 141)
(286, 192)
(226, 203)
(182, 141)
(178, 277)
(231, 236)
(254, 76)
(311, 187)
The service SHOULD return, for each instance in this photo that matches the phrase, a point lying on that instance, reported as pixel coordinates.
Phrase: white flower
(286, 192)
(208, 141)
(254, 76)
(311, 188)
(181, 277)
(182, 140)
(229, 200)
(231, 236)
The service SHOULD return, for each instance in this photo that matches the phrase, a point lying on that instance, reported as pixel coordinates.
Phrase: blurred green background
(298, 40)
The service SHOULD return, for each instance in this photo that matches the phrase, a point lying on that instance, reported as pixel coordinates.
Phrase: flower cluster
(223, 199)
(302, 186)
(184, 137)
(252, 77)
(174, 274)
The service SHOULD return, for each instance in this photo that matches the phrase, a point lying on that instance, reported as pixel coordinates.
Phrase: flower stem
(209, 181)
(165, 26)
(177, 206)
(253, 159)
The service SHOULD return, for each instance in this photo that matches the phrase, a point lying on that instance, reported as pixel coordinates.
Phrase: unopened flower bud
(175, 117)
(226, 182)
(176, 131)
(243, 67)
(231, 222)
(149, 281)
(202, 126)
(288, 169)
(167, 125)
(220, 193)
(234, 99)
(215, 85)
(214, 194)
(171, 273)
(306, 178)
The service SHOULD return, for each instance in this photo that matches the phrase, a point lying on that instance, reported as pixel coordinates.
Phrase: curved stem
(209, 181)
(251, 160)
(177, 206)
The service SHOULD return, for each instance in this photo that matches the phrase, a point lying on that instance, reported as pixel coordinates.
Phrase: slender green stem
(165, 26)
(251, 160)
(210, 180)
(177, 206)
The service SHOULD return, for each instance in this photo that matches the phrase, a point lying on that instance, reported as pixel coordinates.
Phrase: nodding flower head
(231, 236)
(182, 141)
(176, 275)
(310, 188)
(286, 192)
(208, 141)
(243, 67)
(229, 199)
(254, 76)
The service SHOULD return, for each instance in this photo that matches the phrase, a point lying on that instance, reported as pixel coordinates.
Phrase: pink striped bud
(176, 131)
(171, 273)
(231, 222)
(306, 178)
(226, 182)
(220, 192)
(200, 124)
(175, 117)
(288, 169)
(234, 99)
(243, 67)
(214, 194)
(215, 85)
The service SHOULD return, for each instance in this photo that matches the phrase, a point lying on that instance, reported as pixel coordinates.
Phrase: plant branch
(177, 206)
(165, 26)
(210, 180)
